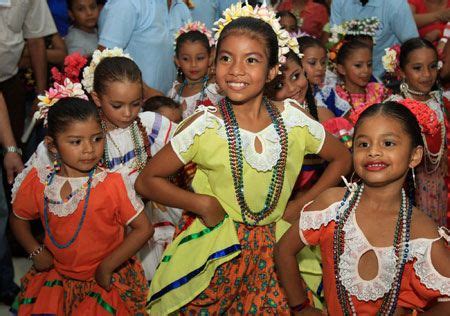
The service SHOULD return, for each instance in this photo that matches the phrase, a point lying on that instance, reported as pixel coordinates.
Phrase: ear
(340, 69)
(273, 72)
(96, 99)
(416, 157)
(51, 145)
(175, 60)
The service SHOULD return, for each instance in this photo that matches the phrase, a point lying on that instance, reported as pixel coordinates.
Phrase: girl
(222, 262)
(85, 264)
(418, 64)
(363, 272)
(354, 66)
(193, 58)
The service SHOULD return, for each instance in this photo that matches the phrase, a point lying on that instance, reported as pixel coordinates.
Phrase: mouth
(236, 86)
(375, 166)
(89, 161)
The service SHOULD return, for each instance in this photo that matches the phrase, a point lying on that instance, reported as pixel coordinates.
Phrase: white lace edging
(19, 180)
(136, 202)
(316, 219)
(425, 270)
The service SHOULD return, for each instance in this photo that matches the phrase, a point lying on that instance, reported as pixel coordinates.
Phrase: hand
(103, 276)
(213, 212)
(433, 35)
(43, 261)
(293, 209)
(13, 165)
(444, 15)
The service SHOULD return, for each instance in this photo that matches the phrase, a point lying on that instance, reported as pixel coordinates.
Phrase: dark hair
(306, 42)
(398, 112)
(68, 110)
(71, 3)
(285, 13)
(411, 45)
(192, 36)
(154, 103)
(113, 69)
(257, 29)
(348, 48)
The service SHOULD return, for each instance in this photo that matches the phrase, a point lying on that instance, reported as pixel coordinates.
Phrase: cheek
(281, 94)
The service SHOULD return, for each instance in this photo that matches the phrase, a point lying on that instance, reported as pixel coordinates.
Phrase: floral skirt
(50, 293)
(246, 284)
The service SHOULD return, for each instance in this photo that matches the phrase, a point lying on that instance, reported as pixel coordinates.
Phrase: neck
(353, 88)
(86, 29)
(383, 198)
(250, 109)
(72, 173)
(195, 82)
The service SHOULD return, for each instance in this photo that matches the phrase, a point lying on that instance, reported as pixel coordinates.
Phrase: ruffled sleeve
(314, 223)
(159, 129)
(26, 203)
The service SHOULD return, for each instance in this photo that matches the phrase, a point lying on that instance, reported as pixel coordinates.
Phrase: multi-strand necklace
(348, 95)
(141, 146)
(400, 244)
(250, 217)
(47, 201)
(185, 83)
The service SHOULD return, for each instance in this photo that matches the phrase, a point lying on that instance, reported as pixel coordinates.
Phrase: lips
(236, 86)
(88, 161)
(375, 166)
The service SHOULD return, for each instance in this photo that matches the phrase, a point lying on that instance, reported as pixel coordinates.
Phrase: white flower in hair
(195, 26)
(266, 14)
(97, 57)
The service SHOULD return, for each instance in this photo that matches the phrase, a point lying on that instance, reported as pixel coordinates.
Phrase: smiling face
(80, 146)
(420, 71)
(242, 67)
(121, 102)
(314, 62)
(193, 59)
(293, 84)
(356, 69)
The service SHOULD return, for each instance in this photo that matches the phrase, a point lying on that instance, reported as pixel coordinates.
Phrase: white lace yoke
(356, 245)
(268, 137)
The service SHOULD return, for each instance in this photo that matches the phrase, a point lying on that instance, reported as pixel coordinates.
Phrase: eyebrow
(384, 135)
(79, 136)
(118, 101)
(248, 54)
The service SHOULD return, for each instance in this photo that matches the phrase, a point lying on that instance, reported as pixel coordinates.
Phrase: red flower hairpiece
(73, 64)
(426, 117)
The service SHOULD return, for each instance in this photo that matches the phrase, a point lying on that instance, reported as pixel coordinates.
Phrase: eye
(312, 62)
(136, 104)
(225, 58)
(369, 64)
(363, 144)
(184, 58)
(98, 139)
(417, 68)
(389, 143)
(201, 58)
(116, 106)
(75, 142)
(434, 66)
(279, 86)
(358, 65)
(252, 60)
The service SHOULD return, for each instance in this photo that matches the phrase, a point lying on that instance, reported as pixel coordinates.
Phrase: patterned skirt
(246, 284)
(50, 293)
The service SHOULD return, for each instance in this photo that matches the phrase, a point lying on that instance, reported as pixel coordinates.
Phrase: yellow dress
(190, 262)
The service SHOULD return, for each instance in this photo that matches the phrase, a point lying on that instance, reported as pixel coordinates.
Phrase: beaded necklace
(185, 83)
(250, 217)
(400, 244)
(83, 215)
(349, 96)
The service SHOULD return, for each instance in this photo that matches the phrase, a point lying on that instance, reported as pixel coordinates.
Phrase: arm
(141, 231)
(36, 47)
(58, 50)
(152, 184)
(12, 161)
(423, 19)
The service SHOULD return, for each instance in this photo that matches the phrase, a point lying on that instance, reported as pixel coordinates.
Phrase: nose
(236, 68)
(426, 72)
(375, 151)
(194, 62)
(127, 111)
(88, 147)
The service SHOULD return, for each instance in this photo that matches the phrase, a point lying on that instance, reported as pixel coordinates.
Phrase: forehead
(360, 53)
(243, 43)
(124, 90)
(82, 128)
(422, 55)
(380, 124)
(192, 47)
(287, 19)
(314, 51)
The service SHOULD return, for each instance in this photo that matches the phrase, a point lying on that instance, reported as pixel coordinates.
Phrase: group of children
(268, 131)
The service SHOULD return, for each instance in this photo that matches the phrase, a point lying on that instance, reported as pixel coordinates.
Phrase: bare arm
(58, 51)
(423, 19)
(36, 47)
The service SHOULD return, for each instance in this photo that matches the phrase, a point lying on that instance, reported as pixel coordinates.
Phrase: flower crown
(368, 27)
(59, 91)
(73, 64)
(426, 117)
(192, 27)
(266, 14)
(97, 57)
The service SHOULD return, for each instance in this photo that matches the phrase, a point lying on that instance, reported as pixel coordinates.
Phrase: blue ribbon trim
(183, 280)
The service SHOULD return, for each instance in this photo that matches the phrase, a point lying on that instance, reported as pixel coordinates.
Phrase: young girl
(247, 150)
(354, 66)
(193, 59)
(380, 254)
(418, 64)
(85, 264)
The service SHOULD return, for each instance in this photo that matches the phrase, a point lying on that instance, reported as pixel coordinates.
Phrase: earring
(404, 87)
(179, 72)
(56, 163)
(414, 177)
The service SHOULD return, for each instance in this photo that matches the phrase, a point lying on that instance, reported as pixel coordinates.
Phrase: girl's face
(384, 154)
(121, 103)
(80, 147)
(242, 67)
(193, 59)
(420, 72)
(289, 24)
(314, 62)
(357, 69)
(293, 84)
(85, 14)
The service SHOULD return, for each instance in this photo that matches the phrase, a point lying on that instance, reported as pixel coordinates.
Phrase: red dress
(314, 16)
(70, 288)
(421, 8)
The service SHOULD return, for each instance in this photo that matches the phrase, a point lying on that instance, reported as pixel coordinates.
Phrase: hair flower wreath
(97, 57)
(266, 14)
(192, 27)
(368, 27)
(391, 61)
(59, 91)
(73, 64)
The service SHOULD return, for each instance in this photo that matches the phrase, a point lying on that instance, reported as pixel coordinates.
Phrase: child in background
(86, 264)
(165, 106)
(222, 262)
(380, 254)
(290, 23)
(193, 57)
(418, 68)
(82, 36)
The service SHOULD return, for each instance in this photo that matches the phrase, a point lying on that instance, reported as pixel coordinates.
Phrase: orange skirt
(247, 284)
(50, 293)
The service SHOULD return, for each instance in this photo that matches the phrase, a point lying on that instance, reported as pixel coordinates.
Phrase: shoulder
(422, 226)
(327, 198)
(199, 121)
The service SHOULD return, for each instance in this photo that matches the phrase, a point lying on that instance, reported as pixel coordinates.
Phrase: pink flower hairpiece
(73, 64)
(59, 91)
(195, 26)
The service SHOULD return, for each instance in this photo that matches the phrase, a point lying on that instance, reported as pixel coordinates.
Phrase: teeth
(377, 165)
(237, 84)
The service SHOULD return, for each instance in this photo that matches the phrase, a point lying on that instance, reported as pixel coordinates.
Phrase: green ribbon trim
(102, 302)
(25, 301)
(53, 283)
(201, 233)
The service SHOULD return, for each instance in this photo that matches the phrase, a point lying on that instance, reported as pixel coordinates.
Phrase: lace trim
(19, 179)
(317, 219)
(339, 103)
(137, 203)
(54, 191)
